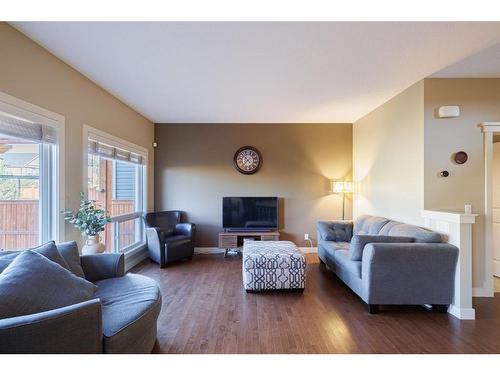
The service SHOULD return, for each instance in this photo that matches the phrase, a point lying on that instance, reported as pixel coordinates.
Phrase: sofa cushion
(335, 230)
(69, 251)
(6, 258)
(331, 246)
(367, 224)
(342, 259)
(31, 283)
(48, 250)
(130, 306)
(418, 234)
(359, 241)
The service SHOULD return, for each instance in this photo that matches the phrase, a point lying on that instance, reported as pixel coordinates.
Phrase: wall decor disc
(460, 157)
(247, 160)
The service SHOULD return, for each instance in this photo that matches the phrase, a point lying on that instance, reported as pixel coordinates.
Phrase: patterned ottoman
(273, 265)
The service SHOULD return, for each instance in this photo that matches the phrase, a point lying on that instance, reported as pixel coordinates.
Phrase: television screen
(247, 213)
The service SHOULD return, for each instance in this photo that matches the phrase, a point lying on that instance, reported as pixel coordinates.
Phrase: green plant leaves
(89, 219)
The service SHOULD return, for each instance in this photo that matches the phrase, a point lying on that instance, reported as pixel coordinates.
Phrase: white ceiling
(485, 64)
(259, 72)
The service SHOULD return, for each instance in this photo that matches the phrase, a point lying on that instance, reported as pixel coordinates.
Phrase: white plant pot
(93, 245)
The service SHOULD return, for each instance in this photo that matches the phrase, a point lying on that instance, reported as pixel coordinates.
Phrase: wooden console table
(231, 240)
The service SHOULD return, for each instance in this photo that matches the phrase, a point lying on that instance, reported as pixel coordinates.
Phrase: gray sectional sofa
(386, 262)
(118, 316)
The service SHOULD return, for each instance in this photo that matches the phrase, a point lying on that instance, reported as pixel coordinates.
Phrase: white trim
(126, 217)
(99, 135)
(32, 112)
(135, 257)
(462, 313)
(216, 250)
(457, 228)
(112, 140)
(208, 250)
(309, 250)
(450, 216)
(488, 128)
(481, 292)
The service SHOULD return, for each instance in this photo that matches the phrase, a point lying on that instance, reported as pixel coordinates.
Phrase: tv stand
(232, 240)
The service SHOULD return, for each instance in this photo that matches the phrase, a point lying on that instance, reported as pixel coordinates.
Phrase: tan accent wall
(479, 101)
(194, 170)
(31, 73)
(388, 158)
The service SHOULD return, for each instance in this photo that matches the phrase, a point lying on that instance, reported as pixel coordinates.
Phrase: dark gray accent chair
(386, 262)
(168, 239)
(120, 318)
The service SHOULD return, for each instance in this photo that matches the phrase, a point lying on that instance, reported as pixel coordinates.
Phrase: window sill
(132, 251)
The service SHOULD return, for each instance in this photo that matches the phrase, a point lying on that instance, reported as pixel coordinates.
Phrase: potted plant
(90, 220)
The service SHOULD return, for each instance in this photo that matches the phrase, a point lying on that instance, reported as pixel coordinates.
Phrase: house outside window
(29, 174)
(116, 181)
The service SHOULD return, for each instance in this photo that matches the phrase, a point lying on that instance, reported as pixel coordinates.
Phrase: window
(28, 176)
(115, 175)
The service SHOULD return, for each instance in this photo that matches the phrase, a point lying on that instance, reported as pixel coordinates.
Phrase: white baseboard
(482, 292)
(462, 313)
(208, 250)
(135, 259)
(309, 250)
(216, 250)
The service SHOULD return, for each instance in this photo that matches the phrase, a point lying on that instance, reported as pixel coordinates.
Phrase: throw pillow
(359, 241)
(69, 251)
(48, 250)
(33, 283)
(340, 231)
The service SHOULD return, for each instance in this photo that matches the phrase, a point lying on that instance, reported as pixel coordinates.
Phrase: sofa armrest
(103, 266)
(334, 230)
(71, 329)
(409, 273)
(186, 229)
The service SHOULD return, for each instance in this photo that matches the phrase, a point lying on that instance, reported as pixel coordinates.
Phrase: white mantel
(457, 228)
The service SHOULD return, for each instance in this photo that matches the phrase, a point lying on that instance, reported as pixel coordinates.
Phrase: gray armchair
(108, 323)
(168, 239)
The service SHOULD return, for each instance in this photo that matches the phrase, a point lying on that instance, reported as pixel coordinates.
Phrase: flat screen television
(250, 213)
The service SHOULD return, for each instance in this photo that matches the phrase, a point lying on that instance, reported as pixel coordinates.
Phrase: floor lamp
(342, 187)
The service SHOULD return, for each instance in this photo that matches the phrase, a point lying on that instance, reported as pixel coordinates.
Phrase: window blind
(27, 130)
(113, 153)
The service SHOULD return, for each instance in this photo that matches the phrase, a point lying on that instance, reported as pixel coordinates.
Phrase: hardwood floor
(206, 310)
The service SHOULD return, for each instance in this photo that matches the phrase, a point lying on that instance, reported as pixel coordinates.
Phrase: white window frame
(52, 190)
(141, 191)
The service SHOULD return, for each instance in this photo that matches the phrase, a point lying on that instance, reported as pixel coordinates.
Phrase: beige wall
(194, 170)
(479, 100)
(388, 164)
(32, 74)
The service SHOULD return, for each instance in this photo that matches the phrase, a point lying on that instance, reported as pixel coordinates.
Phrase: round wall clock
(247, 160)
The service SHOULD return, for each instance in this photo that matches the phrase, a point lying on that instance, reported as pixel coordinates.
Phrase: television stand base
(232, 240)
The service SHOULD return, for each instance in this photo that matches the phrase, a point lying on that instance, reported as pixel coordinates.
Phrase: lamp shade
(341, 186)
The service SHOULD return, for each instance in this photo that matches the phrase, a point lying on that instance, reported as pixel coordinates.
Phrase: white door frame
(488, 128)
